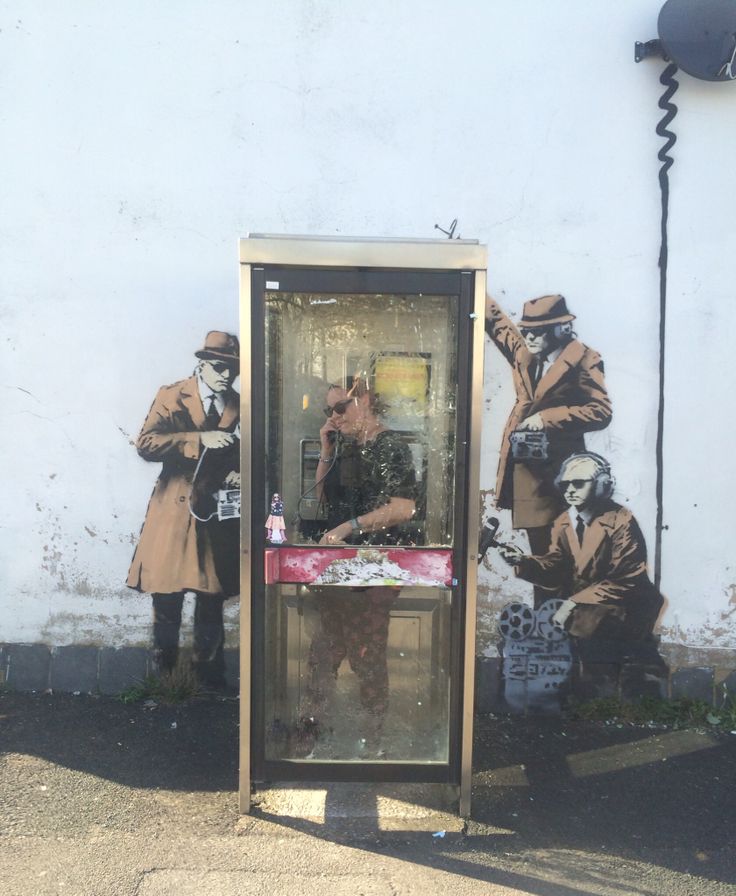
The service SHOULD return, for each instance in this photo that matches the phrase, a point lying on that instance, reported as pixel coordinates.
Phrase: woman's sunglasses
(339, 407)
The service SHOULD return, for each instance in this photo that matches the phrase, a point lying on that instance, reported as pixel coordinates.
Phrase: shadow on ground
(551, 786)
(189, 746)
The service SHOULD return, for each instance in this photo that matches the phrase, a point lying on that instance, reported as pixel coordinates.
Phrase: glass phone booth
(360, 424)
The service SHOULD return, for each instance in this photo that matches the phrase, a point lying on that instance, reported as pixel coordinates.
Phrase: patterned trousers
(355, 627)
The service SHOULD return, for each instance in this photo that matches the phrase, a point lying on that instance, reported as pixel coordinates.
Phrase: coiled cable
(668, 80)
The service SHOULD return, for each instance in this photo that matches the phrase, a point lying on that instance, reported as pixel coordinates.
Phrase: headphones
(604, 481)
(560, 333)
(563, 332)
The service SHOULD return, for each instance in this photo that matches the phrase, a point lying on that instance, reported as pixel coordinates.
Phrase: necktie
(212, 418)
(580, 530)
(537, 371)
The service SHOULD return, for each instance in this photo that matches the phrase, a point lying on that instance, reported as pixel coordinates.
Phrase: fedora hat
(544, 311)
(219, 346)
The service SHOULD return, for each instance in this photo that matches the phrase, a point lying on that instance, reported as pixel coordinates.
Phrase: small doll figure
(275, 522)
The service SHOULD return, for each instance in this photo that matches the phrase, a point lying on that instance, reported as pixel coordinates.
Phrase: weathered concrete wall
(141, 140)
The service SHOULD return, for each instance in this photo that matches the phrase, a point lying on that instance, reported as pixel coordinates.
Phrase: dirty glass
(361, 396)
(322, 705)
(405, 346)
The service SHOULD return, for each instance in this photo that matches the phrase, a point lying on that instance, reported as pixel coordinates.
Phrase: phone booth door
(364, 498)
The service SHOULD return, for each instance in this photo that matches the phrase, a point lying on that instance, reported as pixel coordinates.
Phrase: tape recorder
(529, 445)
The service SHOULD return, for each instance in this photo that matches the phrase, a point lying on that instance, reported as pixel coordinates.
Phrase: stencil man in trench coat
(597, 559)
(192, 427)
(560, 393)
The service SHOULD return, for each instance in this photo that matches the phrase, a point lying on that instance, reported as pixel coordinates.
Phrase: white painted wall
(141, 140)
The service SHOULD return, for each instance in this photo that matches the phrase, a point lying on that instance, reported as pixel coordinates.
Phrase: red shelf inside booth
(358, 566)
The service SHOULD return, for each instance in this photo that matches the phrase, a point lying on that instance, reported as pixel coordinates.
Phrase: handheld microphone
(487, 537)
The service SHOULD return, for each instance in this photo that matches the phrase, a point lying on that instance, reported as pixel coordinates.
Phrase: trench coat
(571, 399)
(175, 552)
(606, 576)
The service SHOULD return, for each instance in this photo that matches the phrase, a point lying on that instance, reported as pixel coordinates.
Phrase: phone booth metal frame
(265, 260)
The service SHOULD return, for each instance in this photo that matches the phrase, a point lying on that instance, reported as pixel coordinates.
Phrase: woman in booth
(367, 482)
(365, 473)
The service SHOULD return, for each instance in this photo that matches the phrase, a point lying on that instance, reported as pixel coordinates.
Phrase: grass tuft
(685, 712)
(177, 686)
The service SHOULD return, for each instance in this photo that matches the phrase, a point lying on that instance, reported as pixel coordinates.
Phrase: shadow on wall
(86, 669)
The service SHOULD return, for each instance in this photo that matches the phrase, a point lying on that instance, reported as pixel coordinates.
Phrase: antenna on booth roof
(699, 37)
(450, 234)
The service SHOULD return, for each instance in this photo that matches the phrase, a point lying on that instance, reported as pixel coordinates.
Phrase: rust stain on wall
(717, 630)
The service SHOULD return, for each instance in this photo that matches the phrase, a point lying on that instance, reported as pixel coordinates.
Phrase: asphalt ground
(99, 797)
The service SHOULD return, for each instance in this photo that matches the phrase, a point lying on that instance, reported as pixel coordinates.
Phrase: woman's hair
(361, 386)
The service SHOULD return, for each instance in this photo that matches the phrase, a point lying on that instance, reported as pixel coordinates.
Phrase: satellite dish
(699, 36)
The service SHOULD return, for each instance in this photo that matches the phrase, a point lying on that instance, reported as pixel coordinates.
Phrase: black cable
(335, 454)
(667, 79)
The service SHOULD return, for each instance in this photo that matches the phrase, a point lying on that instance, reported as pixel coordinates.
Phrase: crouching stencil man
(192, 428)
(597, 559)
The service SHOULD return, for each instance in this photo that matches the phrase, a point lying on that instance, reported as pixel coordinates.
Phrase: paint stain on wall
(717, 631)
(64, 562)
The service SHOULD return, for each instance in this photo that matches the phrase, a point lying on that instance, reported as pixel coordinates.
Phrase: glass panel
(394, 358)
(357, 675)
(360, 482)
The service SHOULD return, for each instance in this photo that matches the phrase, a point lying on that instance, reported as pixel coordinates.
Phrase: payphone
(360, 426)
